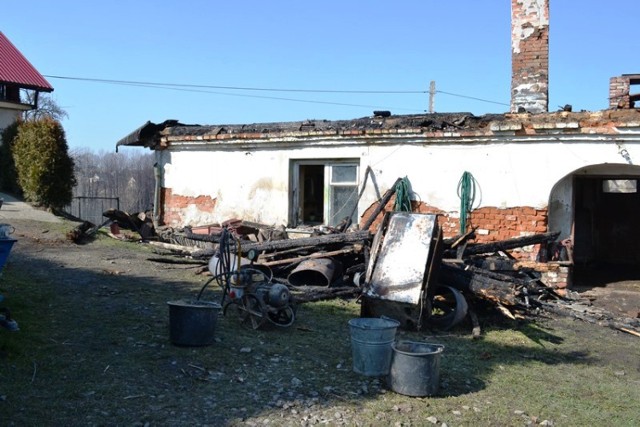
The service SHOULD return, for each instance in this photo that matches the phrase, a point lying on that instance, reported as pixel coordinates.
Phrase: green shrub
(45, 169)
(8, 175)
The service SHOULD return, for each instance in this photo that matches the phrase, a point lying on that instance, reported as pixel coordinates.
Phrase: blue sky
(357, 45)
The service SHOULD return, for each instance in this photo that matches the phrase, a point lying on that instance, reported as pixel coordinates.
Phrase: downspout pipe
(157, 172)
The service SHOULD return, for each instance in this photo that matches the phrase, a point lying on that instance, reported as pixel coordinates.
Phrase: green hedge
(45, 171)
(8, 174)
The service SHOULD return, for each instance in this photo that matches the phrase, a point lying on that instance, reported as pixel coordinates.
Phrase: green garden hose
(467, 195)
(403, 196)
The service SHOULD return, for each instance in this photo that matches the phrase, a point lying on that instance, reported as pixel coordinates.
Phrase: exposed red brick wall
(619, 88)
(555, 275)
(175, 204)
(448, 225)
(492, 223)
(500, 224)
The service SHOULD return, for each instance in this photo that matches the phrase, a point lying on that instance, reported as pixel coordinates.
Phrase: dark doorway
(312, 194)
(606, 228)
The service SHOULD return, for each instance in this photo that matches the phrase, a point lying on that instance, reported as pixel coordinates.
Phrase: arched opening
(597, 207)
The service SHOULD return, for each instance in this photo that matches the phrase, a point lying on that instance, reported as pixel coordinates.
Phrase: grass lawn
(94, 350)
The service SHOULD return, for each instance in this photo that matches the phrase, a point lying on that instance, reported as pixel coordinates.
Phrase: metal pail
(371, 339)
(415, 368)
(192, 322)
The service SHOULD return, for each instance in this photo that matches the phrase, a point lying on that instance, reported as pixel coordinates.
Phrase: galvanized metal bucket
(6, 230)
(192, 322)
(371, 339)
(415, 368)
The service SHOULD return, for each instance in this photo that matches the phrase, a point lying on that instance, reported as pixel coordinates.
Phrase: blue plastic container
(5, 248)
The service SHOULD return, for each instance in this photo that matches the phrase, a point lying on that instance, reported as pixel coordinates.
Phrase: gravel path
(13, 208)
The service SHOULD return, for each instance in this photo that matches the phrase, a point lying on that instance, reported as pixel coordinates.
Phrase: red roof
(16, 69)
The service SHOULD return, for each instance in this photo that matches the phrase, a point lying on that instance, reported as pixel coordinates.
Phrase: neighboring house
(20, 83)
(535, 171)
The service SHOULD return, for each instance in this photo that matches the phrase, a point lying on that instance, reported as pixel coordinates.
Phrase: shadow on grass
(99, 341)
(469, 364)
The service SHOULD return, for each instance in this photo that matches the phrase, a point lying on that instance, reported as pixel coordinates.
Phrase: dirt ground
(607, 288)
(108, 301)
(612, 288)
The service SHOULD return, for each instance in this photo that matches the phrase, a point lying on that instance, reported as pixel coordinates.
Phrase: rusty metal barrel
(314, 272)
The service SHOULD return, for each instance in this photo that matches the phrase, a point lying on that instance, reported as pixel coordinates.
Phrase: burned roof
(431, 121)
(431, 125)
(146, 135)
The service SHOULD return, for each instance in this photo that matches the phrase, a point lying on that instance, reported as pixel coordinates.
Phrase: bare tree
(46, 107)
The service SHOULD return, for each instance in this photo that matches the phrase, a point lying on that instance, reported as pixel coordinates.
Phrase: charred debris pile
(406, 270)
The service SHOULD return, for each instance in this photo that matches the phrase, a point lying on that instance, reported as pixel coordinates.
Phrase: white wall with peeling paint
(254, 184)
(535, 15)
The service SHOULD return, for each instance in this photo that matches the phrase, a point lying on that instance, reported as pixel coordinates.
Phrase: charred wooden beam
(501, 277)
(179, 249)
(212, 238)
(505, 245)
(481, 286)
(296, 260)
(82, 232)
(454, 241)
(317, 294)
(383, 202)
(264, 257)
(182, 261)
(329, 239)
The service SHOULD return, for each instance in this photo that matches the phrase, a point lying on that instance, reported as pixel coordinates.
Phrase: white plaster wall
(7, 117)
(561, 210)
(254, 185)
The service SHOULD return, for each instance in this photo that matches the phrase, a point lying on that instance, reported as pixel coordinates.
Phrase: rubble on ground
(318, 263)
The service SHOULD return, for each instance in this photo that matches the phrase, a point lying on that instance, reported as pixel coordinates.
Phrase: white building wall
(254, 184)
(7, 117)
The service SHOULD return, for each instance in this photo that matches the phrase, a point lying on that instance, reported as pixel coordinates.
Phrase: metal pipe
(157, 172)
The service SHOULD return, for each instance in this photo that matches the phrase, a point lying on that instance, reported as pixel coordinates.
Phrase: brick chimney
(620, 95)
(530, 56)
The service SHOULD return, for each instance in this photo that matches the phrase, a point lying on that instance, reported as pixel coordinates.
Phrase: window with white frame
(324, 192)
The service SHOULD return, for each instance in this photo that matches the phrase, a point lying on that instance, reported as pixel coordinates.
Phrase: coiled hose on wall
(403, 196)
(467, 193)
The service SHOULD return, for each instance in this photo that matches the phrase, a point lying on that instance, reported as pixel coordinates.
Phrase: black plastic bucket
(415, 368)
(192, 322)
